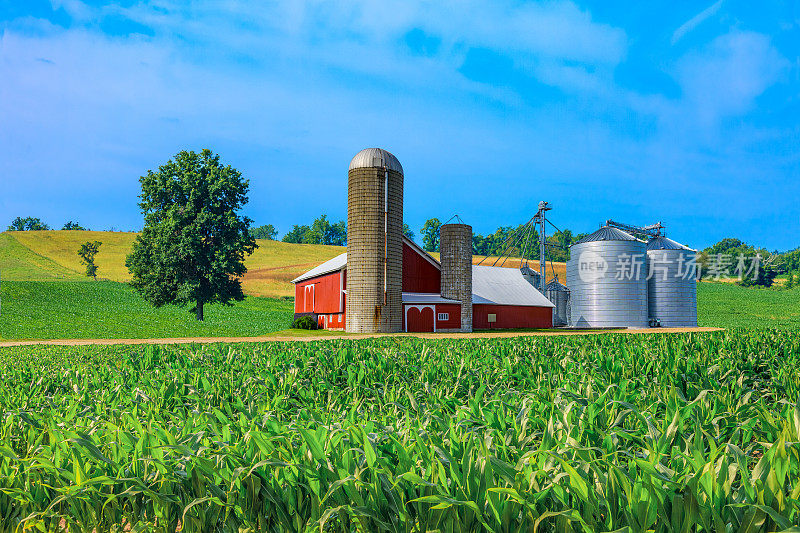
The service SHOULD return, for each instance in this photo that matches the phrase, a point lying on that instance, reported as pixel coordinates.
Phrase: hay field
(53, 255)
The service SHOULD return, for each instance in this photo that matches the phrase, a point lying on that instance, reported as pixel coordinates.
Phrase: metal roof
(663, 243)
(555, 285)
(331, 265)
(376, 158)
(504, 286)
(427, 298)
(607, 233)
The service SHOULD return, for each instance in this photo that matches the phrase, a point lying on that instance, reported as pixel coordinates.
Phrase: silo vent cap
(376, 158)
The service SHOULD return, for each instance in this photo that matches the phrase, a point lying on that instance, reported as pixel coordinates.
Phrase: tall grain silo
(559, 294)
(672, 285)
(607, 278)
(374, 243)
(455, 245)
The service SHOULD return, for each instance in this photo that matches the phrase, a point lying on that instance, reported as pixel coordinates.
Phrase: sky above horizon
(680, 112)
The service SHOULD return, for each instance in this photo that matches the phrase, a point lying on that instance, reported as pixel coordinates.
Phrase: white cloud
(726, 77)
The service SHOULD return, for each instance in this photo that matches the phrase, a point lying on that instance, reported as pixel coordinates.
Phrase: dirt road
(285, 338)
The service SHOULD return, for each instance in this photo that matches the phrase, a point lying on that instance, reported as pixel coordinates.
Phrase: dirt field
(307, 338)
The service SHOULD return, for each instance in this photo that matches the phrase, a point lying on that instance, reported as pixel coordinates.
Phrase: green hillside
(52, 255)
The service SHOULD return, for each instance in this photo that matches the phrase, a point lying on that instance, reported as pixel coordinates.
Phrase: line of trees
(36, 224)
(501, 241)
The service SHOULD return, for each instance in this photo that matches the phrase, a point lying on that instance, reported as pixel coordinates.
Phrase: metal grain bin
(558, 293)
(607, 279)
(374, 243)
(672, 287)
(455, 246)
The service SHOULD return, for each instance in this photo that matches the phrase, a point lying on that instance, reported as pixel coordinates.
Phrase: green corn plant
(693, 432)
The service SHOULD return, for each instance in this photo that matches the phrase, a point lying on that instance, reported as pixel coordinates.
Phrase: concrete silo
(455, 245)
(672, 285)
(374, 243)
(607, 279)
(558, 293)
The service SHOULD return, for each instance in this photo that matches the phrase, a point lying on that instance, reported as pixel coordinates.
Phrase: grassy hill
(52, 255)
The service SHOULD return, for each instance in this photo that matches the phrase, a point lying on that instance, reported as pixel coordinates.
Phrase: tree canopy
(321, 231)
(430, 235)
(192, 247)
(73, 226)
(87, 251)
(27, 224)
(267, 232)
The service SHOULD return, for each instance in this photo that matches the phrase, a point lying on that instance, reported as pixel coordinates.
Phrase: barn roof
(340, 262)
(504, 286)
(427, 298)
(331, 265)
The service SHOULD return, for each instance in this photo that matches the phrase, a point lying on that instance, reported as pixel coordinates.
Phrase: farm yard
(683, 432)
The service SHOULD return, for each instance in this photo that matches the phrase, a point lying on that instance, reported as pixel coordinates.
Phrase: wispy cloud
(696, 20)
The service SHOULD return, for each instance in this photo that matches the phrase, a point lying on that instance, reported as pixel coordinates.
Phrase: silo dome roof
(607, 233)
(376, 158)
(663, 243)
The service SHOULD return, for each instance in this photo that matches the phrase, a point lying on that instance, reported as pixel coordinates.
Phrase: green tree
(430, 235)
(73, 226)
(192, 247)
(87, 251)
(267, 232)
(790, 281)
(323, 232)
(407, 231)
(296, 234)
(27, 224)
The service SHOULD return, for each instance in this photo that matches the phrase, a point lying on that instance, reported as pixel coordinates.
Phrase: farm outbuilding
(386, 283)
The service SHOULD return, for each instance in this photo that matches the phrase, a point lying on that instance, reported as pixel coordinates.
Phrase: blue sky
(681, 112)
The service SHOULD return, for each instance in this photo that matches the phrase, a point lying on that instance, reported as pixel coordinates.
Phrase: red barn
(501, 297)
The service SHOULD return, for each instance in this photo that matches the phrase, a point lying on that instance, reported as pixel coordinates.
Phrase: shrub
(304, 322)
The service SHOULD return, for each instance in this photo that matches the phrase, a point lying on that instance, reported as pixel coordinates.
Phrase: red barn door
(419, 320)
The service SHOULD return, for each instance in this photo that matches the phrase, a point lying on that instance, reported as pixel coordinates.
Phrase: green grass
(42, 255)
(729, 305)
(107, 310)
(662, 433)
(19, 262)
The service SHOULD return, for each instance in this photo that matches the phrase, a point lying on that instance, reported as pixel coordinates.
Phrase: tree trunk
(200, 310)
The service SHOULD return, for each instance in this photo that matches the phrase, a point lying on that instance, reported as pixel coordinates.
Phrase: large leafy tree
(192, 248)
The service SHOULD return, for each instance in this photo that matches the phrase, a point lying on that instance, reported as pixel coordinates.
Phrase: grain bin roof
(663, 243)
(331, 265)
(555, 285)
(376, 157)
(504, 286)
(607, 233)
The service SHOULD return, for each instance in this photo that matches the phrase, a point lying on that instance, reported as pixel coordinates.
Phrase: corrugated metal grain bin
(607, 279)
(672, 285)
(558, 293)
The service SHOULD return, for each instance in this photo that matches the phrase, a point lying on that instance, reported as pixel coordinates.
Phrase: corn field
(666, 433)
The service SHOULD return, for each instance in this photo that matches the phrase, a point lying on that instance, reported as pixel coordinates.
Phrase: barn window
(444, 316)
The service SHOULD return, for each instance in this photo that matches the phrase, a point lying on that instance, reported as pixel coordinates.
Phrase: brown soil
(286, 338)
